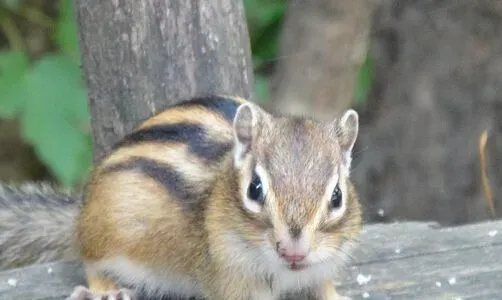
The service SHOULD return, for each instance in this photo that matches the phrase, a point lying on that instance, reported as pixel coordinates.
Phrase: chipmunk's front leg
(83, 293)
(101, 288)
(241, 294)
(327, 291)
(232, 285)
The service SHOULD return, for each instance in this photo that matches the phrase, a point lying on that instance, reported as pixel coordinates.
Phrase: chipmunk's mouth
(296, 266)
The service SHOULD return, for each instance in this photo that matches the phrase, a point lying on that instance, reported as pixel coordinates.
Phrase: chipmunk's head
(294, 185)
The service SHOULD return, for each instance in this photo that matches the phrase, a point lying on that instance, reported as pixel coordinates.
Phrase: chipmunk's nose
(293, 258)
(293, 250)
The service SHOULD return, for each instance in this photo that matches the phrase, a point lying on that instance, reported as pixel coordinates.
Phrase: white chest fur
(262, 263)
(152, 282)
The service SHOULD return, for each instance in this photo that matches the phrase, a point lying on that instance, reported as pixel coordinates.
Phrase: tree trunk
(140, 56)
(324, 43)
(437, 89)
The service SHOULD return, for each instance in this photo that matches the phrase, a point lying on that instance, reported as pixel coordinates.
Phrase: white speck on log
(12, 282)
(381, 212)
(361, 279)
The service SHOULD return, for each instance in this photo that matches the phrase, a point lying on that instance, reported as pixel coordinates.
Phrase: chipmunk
(216, 198)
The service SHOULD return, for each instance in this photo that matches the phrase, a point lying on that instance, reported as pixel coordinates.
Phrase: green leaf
(59, 144)
(364, 80)
(51, 117)
(260, 13)
(261, 88)
(265, 47)
(11, 4)
(13, 68)
(264, 19)
(66, 31)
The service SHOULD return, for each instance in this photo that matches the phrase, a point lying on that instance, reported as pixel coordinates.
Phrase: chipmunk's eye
(336, 197)
(255, 189)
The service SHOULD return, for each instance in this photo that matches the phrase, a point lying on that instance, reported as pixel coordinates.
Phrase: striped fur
(181, 148)
(164, 212)
(37, 220)
(167, 211)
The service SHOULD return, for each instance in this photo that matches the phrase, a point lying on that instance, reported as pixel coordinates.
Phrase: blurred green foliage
(47, 93)
(264, 19)
(364, 80)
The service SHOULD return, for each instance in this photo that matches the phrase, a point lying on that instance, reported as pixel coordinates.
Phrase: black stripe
(225, 106)
(165, 175)
(191, 134)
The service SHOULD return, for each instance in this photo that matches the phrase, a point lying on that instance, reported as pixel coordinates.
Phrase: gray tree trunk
(437, 88)
(323, 45)
(140, 56)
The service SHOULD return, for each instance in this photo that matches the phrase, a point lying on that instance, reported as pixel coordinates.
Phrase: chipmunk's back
(186, 142)
(162, 172)
(204, 125)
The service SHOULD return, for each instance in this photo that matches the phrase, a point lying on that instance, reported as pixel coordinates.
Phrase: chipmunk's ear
(348, 129)
(248, 118)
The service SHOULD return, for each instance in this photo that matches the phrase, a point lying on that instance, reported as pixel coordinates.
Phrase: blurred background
(425, 76)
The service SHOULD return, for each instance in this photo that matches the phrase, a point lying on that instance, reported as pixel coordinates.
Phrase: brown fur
(129, 214)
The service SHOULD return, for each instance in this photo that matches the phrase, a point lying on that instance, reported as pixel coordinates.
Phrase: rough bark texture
(438, 86)
(139, 56)
(323, 45)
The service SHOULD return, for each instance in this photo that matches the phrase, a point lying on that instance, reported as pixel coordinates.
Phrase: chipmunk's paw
(83, 293)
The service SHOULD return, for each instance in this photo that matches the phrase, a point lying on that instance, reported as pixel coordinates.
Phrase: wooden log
(139, 56)
(393, 261)
(425, 261)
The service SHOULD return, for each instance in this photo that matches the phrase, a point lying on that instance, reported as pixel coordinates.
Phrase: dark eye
(255, 189)
(336, 197)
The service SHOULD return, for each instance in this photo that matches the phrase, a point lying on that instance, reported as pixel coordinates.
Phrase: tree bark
(324, 43)
(140, 56)
(437, 88)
